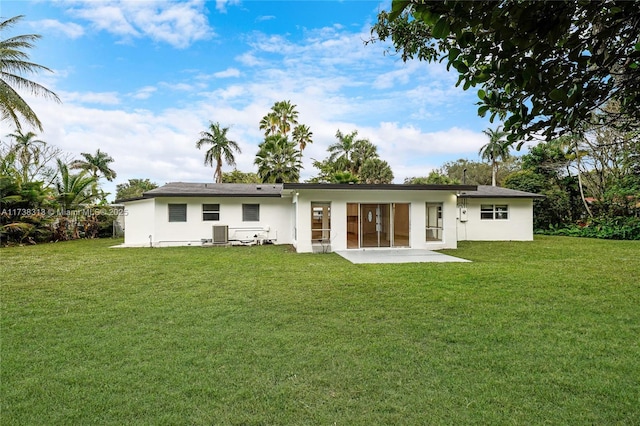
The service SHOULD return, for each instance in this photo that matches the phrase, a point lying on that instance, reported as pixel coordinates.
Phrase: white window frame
(212, 209)
(317, 209)
(494, 212)
(438, 229)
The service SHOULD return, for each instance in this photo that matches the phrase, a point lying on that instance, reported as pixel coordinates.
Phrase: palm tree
(302, 135)
(27, 150)
(278, 160)
(73, 190)
(96, 164)
(269, 124)
(14, 62)
(344, 177)
(279, 120)
(341, 152)
(221, 147)
(496, 150)
(287, 116)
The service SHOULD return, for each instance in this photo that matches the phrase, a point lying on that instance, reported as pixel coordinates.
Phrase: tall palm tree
(496, 150)
(221, 147)
(26, 149)
(278, 160)
(287, 115)
(280, 119)
(341, 152)
(302, 135)
(270, 123)
(14, 63)
(96, 165)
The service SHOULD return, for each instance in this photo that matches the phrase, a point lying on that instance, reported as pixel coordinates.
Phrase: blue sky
(140, 79)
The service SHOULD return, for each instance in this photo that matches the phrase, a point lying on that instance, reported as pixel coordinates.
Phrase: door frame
(356, 223)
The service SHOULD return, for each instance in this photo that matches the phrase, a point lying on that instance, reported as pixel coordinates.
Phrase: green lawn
(543, 332)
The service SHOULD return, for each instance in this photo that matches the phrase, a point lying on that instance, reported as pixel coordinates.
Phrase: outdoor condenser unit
(220, 234)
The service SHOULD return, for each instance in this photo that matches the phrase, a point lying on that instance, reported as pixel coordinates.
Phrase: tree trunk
(494, 172)
(218, 173)
(586, 206)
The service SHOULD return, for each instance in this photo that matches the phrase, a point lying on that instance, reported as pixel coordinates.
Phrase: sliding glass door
(377, 225)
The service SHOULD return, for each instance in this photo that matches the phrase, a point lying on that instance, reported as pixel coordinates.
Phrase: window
(320, 222)
(210, 212)
(434, 221)
(494, 211)
(251, 212)
(177, 212)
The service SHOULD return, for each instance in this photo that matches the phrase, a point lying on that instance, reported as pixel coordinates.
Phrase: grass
(542, 332)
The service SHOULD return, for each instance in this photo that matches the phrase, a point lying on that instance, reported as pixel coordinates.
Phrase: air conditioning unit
(220, 234)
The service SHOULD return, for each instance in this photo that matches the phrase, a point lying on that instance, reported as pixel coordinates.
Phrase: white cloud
(144, 92)
(108, 17)
(221, 5)
(229, 72)
(101, 98)
(411, 140)
(176, 23)
(398, 76)
(181, 87)
(69, 29)
(249, 59)
(265, 18)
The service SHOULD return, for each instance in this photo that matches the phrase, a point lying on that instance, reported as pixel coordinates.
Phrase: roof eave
(500, 196)
(216, 195)
(379, 187)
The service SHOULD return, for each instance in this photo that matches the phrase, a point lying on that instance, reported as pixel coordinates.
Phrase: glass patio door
(375, 220)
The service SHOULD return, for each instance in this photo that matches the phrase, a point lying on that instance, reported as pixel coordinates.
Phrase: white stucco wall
(151, 217)
(287, 220)
(138, 222)
(340, 198)
(518, 227)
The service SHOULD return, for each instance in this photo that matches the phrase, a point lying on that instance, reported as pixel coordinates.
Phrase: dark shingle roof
(486, 191)
(187, 189)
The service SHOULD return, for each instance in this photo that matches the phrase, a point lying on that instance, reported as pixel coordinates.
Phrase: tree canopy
(543, 67)
(352, 159)
(281, 119)
(134, 188)
(278, 160)
(236, 176)
(98, 164)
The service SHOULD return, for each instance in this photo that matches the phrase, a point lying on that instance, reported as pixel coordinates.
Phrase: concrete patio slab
(396, 256)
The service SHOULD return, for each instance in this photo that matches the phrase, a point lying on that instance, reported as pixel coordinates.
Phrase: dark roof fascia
(379, 187)
(212, 195)
(126, 200)
(500, 196)
(485, 192)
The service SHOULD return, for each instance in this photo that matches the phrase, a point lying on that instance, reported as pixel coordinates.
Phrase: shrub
(616, 228)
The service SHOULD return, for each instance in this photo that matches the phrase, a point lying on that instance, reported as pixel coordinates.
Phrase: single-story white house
(327, 217)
